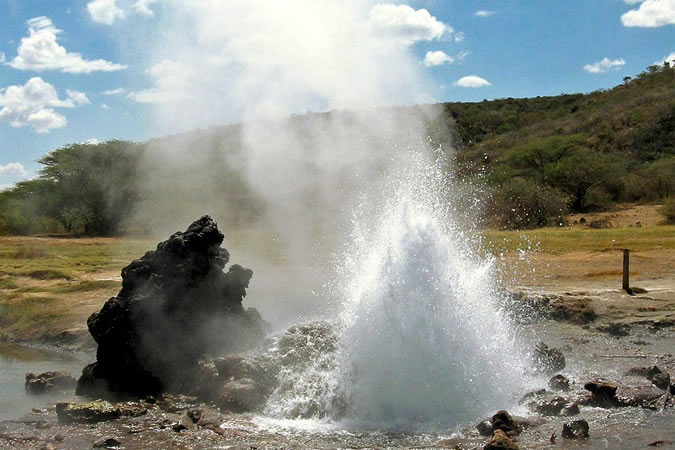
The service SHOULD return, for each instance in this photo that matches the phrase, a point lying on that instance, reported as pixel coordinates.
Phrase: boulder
(176, 305)
(48, 381)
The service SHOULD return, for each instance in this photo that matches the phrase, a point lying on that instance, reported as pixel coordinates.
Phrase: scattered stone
(661, 380)
(502, 420)
(615, 329)
(640, 396)
(532, 395)
(659, 443)
(604, 393)
(89, 412)
(547, 360)
(48, 381)
(570, 410)
(551, 407)
(577, 429)
(174, 297)
(59, 437)
(485, 428)
(500, 441)
(107, 442)
(559, 383)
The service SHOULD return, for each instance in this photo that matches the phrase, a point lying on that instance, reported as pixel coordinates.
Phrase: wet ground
(589, 353)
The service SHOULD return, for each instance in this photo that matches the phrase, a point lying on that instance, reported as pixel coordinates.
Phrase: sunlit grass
(563, 240)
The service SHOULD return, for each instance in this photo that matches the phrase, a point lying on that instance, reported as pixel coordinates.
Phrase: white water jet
(422, 343)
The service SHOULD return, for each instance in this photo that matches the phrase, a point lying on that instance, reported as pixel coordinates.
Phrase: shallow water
(15, 362)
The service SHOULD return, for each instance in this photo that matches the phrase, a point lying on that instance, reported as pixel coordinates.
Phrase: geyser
(422, 343)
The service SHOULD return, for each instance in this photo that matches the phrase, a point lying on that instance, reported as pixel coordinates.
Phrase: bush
(668, 210)
(521, 204)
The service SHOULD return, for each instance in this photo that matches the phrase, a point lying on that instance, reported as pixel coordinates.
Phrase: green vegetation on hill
(534, 160)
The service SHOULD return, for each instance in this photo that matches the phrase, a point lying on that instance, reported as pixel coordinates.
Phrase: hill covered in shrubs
(531, 161)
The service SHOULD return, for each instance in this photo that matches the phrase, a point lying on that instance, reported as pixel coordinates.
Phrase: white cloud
(459, 37)
(15, 169)
(31, 104)
(92, 141)
(437, 58)
(78, 98)
(2, 57)
(651, 13)
(117, 91)
(670, 59)
(471, 81)
(143, 7)
(104, 11)
(405, 24)
(633, 2)
(40, 51)
(484, 13)
(104, 106)
(605, 65)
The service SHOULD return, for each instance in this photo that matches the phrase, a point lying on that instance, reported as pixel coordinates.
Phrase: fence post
(626, 269)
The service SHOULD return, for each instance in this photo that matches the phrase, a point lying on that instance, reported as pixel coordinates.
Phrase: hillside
(530, 162)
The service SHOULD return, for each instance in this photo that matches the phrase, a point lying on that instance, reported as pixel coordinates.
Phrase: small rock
(547, 360)
(502, 420)
(485, 428)
(570, 410)
(659, 443)
(500, 441)
(559, 383)
(89, 412)
(59, 437)
(47, 381)
(107, 442)
(531, 395)
(577, 429)
(604, 393)
(550, 407)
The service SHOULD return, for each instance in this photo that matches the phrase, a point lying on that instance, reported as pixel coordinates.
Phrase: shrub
(521, 204)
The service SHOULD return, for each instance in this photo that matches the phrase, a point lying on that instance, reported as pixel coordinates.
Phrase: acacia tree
(578, 173)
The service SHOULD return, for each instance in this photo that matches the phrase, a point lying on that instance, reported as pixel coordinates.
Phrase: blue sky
(135, 69)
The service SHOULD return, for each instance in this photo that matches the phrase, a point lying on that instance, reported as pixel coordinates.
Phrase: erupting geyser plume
(421, 342)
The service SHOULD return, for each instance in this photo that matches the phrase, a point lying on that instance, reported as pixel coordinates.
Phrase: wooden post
(626, 268)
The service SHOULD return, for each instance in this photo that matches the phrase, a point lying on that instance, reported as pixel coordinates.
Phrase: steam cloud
(257, 61)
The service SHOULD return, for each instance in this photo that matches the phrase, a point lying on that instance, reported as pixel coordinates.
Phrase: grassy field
(51, 284)
(562, 240)
(48, 285)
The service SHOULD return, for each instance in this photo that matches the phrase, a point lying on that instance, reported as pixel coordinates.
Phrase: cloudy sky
(133, 69)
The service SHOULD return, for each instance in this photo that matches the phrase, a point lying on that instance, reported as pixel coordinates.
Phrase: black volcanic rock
(176, 305)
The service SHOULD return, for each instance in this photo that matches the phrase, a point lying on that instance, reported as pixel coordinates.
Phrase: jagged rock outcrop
(176, 305)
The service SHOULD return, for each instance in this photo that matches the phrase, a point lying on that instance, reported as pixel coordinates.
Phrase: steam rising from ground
(258, 61)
